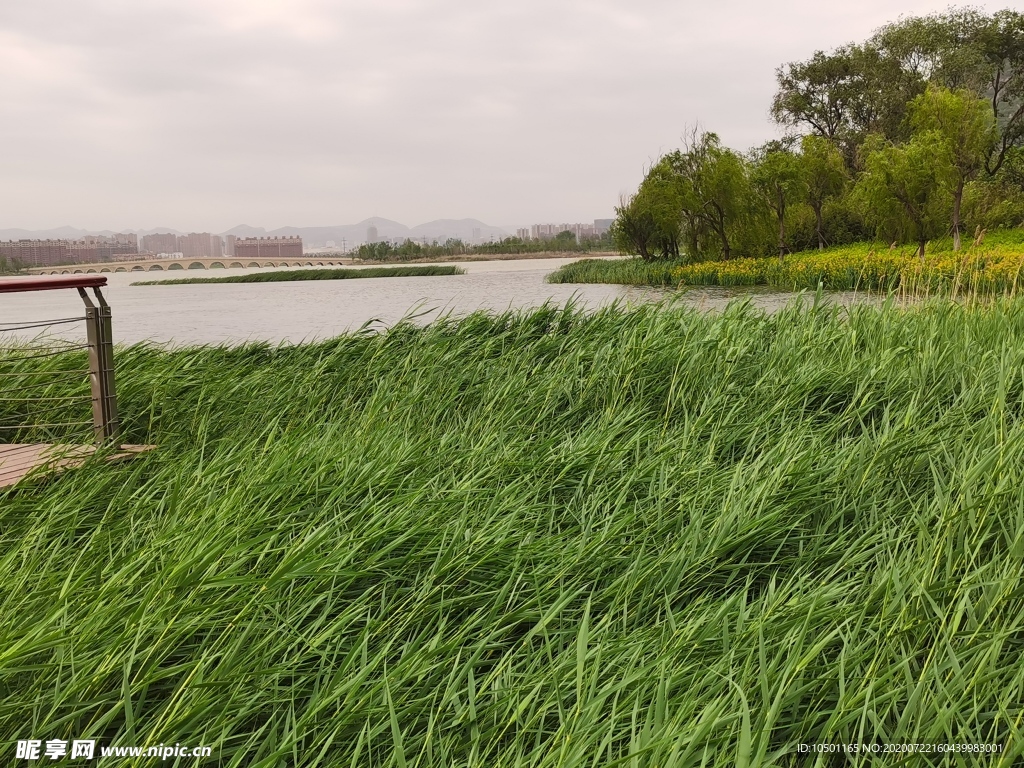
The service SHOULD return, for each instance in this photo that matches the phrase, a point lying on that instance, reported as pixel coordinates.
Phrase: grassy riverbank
(550, 539)
(994, 265)
(281, 276)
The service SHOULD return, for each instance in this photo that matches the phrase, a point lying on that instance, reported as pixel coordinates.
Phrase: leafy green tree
(776, 175)
(634, 228)
(967, 128)
(844, 95)
(902, 184)
(824, 177)
(714, 190)
(861, 89)
(966, 49)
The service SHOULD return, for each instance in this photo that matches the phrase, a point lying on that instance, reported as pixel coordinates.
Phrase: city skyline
(198, 115)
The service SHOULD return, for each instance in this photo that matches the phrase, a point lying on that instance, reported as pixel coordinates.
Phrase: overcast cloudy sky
(203, 114)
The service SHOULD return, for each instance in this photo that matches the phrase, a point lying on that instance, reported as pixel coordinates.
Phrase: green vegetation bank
(282, 276)
(989, 265)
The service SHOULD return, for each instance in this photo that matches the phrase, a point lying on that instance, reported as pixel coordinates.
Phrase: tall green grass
(281, 276)
(629, 271)
(644, 538)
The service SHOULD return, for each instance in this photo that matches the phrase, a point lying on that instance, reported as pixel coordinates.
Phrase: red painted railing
(20, 284)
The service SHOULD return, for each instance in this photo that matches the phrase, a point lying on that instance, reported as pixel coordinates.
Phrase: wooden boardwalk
(17, 461)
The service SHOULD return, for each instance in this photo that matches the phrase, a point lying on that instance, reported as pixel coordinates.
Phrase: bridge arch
(216, 265)
(156, 268)
(77, 272)
(138, 268)
(120, 269)
(254, 264)
(175, 266)
(197, 265)
(90, 271)
(235, 265)
(104, 270)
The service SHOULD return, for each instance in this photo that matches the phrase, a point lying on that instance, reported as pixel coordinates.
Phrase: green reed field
(639, 538)
(281, 276)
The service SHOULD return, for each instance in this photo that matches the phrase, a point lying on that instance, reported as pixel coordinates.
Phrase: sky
(203, 114)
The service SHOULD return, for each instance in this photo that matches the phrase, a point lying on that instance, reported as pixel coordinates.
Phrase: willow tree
(714, 189)
(967, 128)
(776, 175)
(902, 185)
(824, 177)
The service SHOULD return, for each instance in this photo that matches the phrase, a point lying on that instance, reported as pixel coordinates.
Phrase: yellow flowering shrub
(995, 266)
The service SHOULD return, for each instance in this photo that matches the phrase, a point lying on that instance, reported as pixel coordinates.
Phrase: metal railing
(48, 392)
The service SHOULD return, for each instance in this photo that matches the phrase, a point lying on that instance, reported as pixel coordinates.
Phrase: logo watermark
(86, 749)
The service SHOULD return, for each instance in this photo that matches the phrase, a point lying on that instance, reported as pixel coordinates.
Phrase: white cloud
(201, 114)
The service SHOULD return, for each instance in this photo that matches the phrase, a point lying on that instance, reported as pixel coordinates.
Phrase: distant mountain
(60, 233)
(351, 234)
(244, 230)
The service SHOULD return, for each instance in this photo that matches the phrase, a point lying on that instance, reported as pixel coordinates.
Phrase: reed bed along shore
(281, 276)
(994, 264)
(644, 538)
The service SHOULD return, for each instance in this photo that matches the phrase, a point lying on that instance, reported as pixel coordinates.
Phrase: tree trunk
(781, 211)
(958, 196)
(726, 250)
(818, 227)
(920, 249)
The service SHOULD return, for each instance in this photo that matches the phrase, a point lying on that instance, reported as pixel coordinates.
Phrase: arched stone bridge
(166, 265)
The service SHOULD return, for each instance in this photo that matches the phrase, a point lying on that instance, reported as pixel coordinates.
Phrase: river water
(303, 311)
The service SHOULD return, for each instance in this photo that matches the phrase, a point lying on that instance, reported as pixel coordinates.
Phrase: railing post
(101, 367)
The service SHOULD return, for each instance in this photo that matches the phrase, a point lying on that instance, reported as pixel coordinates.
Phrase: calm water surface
(303, 311)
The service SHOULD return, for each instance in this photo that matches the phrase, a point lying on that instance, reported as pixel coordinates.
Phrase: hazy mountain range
(312, 237)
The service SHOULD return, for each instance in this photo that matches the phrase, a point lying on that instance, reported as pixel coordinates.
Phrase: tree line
(916, 133)
(410, 250)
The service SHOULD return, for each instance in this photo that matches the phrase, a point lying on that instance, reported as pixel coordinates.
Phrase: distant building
(160, 242)
(549, 231)
(89, 250)
(268, 247)
(523, 233)
(371, 234)
(476, 234)
(229, 245)
(195, 245)
(603, 226)
(216, 246)
(36, 253)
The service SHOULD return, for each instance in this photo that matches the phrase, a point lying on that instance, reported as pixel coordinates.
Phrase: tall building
(229, 245)
(160, 242)
(195, 245)
(602, 226)
(216, 246)
(268, 247)
(523, 233)
(371, 234)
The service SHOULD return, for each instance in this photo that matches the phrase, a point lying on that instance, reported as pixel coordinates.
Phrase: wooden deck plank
(19, 460)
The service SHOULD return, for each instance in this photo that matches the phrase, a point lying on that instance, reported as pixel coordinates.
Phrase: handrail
(99, 342)
(20, 284)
